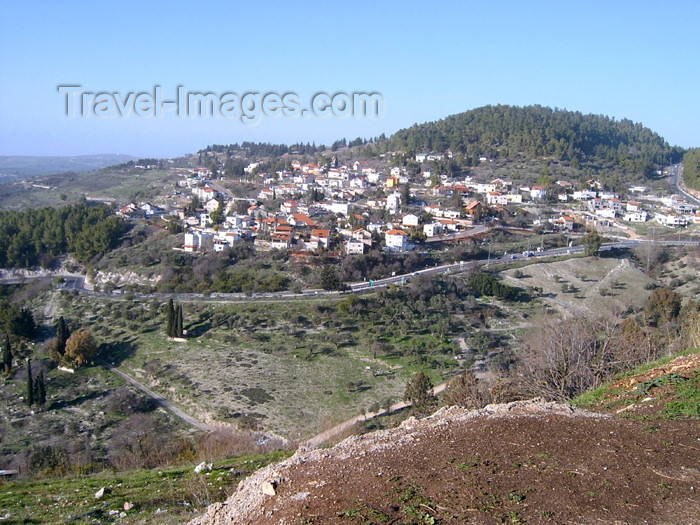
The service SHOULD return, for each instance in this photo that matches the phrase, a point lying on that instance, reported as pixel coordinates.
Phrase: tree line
(36, 237)
(691, 168)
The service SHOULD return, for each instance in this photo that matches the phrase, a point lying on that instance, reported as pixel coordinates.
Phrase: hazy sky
(625, 59)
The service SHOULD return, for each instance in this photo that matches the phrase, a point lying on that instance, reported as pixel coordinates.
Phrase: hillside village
(341, 209)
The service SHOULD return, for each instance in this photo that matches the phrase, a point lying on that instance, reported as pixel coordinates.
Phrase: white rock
(268, 488)
(100, 493)
(202, 467)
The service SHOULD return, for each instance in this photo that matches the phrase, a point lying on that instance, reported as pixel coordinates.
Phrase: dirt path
(50, 309)
(327, 435)
(165, 403)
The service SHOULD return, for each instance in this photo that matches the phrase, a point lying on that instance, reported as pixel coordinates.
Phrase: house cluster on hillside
(295, 224)
(335, 209)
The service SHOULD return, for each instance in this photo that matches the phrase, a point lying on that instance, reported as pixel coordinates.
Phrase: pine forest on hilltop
(507, 132)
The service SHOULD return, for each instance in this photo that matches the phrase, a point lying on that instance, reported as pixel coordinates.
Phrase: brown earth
(524, 462)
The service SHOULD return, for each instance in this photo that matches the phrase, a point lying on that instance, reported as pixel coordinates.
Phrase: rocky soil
(523, 462)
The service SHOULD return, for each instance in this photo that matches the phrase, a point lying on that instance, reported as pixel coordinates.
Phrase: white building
(636, 216)
(393, 202)
(396, 240)
(354, 247)
(197, 241)
(538, 192)
(341, 208)
(584, 195)
(410, 220)
(672, 220)
(432, 229)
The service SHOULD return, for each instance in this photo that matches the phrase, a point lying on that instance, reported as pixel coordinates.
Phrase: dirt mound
(524, 462)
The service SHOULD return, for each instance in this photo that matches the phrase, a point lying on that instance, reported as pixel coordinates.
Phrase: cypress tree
(169, 318)
(30, 384)
(40, 389)
(6, 355)
(178, 329)
(62, 335)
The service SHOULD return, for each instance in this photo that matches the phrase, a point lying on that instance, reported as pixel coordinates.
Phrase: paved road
(77, 282)
(676, 177)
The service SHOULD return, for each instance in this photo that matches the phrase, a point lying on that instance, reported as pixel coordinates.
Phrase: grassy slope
(668, 388)
(159, 496)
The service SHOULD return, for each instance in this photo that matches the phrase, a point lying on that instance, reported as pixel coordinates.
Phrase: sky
(625, 59)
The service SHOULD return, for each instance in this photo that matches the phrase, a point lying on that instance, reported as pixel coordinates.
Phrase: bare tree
(558, 358)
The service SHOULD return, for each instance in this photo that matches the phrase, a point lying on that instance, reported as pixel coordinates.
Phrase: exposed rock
(268, 488)
(203, 466)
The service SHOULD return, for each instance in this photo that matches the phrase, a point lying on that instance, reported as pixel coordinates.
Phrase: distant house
(301, 221)
(211, 205)
(290, 206)
(197, 241)
(205, 193)
(608, 213)
(685, 208)
(614, 204)
(564, 223)
(584, 195)
(225, 239)
(320, 238)
(393, 202)
(410, 220)
(538, 192)
(672, 220)
(432, 229)
(354, 247)
(636, 216)
(281, 240)
(396, 240)
(449, 224)
(392, 182)
(475, 208)
(595, 204)
(363, 236)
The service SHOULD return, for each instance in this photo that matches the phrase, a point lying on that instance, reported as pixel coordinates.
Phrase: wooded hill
(35, 237)
(691, 168)
(507, 132)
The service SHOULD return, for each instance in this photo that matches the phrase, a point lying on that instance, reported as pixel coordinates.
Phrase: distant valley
(14, 167)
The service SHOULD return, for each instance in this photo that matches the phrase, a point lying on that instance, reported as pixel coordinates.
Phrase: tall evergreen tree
(6, 355)
(40, 389)
(30, 384)
(169, 318)
(62, 335)
(179, 328)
